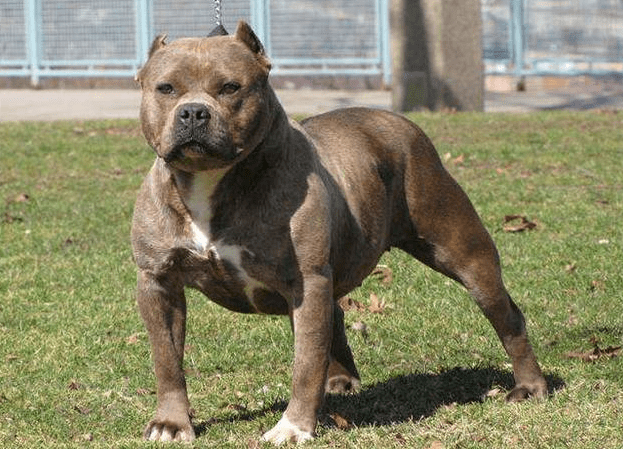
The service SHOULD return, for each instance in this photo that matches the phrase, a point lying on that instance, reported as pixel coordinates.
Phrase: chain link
(218, 14)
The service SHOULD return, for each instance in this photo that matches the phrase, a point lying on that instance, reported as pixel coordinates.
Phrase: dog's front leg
(163, 307)
(312, 325)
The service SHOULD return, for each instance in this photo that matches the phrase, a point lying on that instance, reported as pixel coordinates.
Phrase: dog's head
(204, 100)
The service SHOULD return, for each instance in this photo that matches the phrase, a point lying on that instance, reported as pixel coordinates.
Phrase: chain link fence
(110, 38)
(558, 37)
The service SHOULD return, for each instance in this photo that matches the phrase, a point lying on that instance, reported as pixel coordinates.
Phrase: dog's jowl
(266, 215)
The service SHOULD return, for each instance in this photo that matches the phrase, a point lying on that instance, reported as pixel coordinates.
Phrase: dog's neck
(196, 189)
(277, 132)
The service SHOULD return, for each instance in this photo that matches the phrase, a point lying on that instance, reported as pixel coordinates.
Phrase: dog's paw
(285, 431)
(166, 431)
(523, 391)
(342, 384)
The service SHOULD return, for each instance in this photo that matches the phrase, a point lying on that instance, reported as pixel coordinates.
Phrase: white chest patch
(200, 236)
(233, 255)
(198, 203)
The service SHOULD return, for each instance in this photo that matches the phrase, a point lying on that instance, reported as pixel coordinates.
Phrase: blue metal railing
(540, 37)
(48, 43)
(110, 38)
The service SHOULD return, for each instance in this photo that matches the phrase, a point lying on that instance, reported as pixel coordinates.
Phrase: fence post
(437, 54)
(383, 41)
(259, 22)
(144, 31)
(517, 35)
(33, 40)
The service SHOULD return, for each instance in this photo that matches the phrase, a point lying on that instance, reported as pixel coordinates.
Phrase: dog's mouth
(194, 155)
(185, 150)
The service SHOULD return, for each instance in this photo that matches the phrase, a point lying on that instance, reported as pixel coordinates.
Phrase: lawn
(75, 368)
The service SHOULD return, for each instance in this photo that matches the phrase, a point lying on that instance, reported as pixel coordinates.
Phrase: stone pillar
(436, 50)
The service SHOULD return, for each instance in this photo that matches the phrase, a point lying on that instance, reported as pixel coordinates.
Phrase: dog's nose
(193, 114)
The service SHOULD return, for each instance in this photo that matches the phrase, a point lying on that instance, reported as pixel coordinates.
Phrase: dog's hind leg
(342, 375)
(450, 238)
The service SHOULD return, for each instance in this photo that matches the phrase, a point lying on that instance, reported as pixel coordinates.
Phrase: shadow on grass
(404, 398)
(417, 396)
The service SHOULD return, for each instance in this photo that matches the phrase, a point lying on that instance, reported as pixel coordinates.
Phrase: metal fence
(110, 38)
(558, 37)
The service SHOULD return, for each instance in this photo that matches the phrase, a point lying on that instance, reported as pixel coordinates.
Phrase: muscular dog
(266, 215)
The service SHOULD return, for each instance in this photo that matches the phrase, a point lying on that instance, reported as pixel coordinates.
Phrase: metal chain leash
(218, 14)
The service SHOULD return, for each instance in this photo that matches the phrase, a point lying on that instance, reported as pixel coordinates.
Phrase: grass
(75, 368)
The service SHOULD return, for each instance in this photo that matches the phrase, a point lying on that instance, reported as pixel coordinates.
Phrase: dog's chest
(218, 268)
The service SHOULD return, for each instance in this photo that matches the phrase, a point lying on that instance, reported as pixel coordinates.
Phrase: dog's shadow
(404, 398)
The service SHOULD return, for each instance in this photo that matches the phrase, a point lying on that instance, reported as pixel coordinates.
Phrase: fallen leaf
(192, 372)
(597, 285)
(595, 354)
(400, 439)
(376, 305)
(237, 407)
(73, 385)
(347, 303)
(360, 326)
(341, 422)
(144, 391)
(607, 111)
(253, 444)
(570, 268)
(22, 198)
(572, 320)
(459, 159)
(447, 158)
(493, 392)
(82, 410)
(523, 225)
(132, 339)
(385, 273)
(68, 242)
(8, 218)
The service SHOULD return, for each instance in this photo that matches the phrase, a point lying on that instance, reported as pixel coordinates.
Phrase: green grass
(75, 368)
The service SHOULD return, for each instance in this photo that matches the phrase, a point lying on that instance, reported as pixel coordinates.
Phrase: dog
(266, 215)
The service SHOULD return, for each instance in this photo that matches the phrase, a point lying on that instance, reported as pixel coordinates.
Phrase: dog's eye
(230, 88)
(165, 88)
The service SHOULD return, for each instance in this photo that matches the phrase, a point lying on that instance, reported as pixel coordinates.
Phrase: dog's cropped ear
(219, 30)
(157, 44)
(246, 35)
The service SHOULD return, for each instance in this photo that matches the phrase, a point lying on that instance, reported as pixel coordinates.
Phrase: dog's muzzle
(199, 134)
(193, 116)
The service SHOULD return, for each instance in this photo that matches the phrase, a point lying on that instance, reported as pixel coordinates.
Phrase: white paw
(286, 431)
(164, 433)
